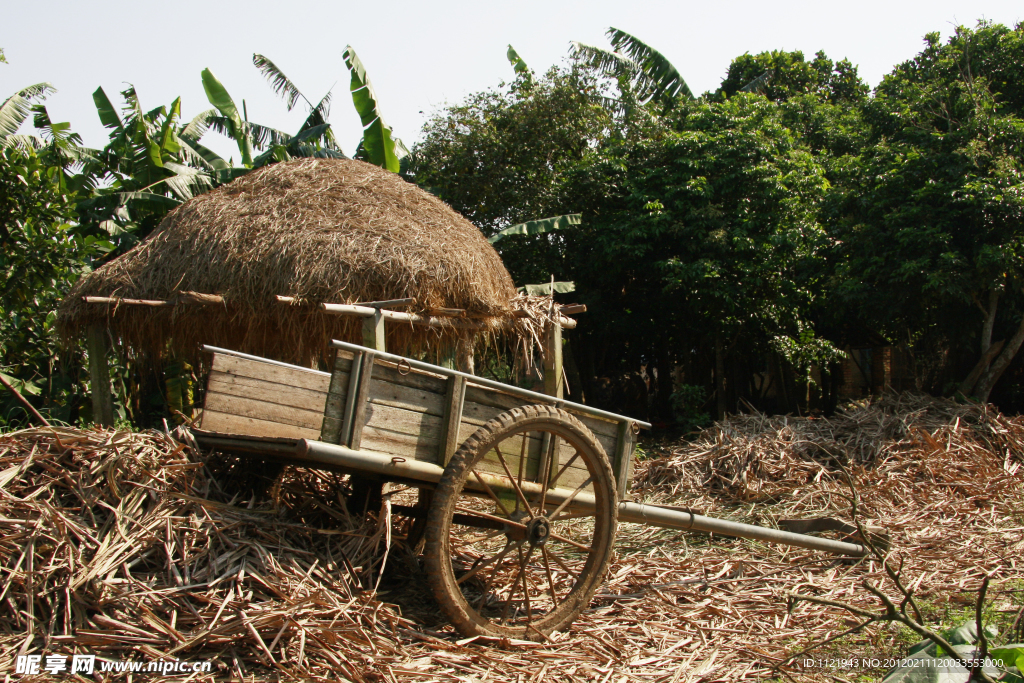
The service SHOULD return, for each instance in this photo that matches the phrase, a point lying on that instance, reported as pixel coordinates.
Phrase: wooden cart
(521, 491)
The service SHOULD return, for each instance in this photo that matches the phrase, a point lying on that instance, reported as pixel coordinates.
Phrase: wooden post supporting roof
(553, 360)
(373, 331)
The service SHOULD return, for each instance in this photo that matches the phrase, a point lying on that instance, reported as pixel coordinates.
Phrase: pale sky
(419, 55)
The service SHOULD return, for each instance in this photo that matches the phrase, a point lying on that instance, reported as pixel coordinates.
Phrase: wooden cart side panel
(403, 433)
(454, 402)
(387, 393)
(264, 411)
(622, 462)
(334, 412)
(416, 379)
(483, 403)
(292, 376)
(224, 423)
(263, 399)
(575, 475)
(361, 389)
(497, 399)
(270, 392)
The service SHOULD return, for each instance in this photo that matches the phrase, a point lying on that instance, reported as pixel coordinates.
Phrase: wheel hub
(538, 530)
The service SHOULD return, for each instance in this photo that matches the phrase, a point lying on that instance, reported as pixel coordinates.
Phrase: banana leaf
(379, 146)
(538, 226)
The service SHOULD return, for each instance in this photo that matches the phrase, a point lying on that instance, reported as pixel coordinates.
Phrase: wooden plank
(630, 464)
(261, 410)
(268, 392)
(223, 423)
(348, 412)
(404, 421)
(474, 415)
(404, 433)
(362, 400)
(453, 403)
(387, 393)
(394, 444)
(486, 396)
(600, 427)
(294, 376)
(477, 414)
(414, 379)
(334, 408)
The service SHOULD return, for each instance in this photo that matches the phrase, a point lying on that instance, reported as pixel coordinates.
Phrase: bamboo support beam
(389, 303)
(438, 317)
(181, 298)
(413, 318)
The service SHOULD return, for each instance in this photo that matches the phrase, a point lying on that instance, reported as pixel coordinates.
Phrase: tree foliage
(932, 213)
(41, 255)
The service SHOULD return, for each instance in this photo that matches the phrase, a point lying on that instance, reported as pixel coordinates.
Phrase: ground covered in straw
(133, 546)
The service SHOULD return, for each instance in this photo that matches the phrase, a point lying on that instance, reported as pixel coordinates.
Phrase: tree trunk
(835, 381)
(967, 386)
(987, 351)
(99, 377)
(995, 371)
(572, 372)
(719, 378)
(990, 320)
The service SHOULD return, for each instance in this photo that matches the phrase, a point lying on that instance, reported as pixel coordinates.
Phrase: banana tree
(315, 138)
(15, 110)
(234, 126)
(152, 163)
(538, 226)
(379, 146)
(631, 61)
(640, 68)
(520, 66)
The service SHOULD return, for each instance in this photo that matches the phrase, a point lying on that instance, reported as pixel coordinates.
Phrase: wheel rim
(518, 559)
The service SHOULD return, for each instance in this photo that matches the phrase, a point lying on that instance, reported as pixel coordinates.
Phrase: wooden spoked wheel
(506, 556)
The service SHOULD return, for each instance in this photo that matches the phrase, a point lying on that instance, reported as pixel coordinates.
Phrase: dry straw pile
(132, 545)
(322, 230)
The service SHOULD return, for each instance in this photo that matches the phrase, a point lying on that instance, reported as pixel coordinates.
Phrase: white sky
(419, 55)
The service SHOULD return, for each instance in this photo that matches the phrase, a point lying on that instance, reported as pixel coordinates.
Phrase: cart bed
(390, 408)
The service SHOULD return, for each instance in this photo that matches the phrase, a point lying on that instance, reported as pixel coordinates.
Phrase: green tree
(780, 75)
(706, 236)
(501, 157)
(930, 229)
(42, 253)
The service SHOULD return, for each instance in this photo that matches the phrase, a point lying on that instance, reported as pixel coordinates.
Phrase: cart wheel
(507, 558)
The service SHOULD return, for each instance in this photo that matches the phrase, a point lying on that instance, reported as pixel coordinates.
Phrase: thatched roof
(322, 230)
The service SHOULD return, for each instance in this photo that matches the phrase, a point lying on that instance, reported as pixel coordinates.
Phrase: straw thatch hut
(319, 230)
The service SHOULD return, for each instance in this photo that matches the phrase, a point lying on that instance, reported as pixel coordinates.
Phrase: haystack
(320, 230)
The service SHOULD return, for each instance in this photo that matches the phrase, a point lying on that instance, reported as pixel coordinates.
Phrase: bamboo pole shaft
(28, 406)
(637, 513)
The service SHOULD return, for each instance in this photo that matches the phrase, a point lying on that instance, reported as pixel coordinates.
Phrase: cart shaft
(403, 469)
